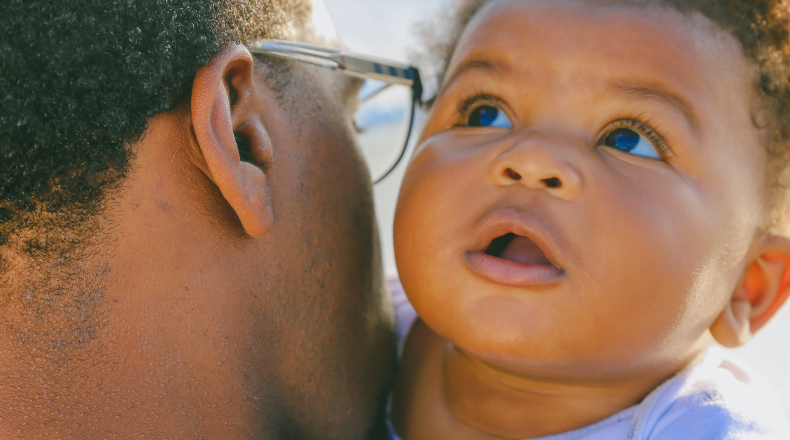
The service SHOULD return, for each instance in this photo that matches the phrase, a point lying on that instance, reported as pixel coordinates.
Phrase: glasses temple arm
(361, 66)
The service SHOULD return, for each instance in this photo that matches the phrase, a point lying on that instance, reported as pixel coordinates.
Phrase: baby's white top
(716, 398)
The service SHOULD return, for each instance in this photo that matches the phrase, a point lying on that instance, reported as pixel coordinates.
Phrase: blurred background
(386, 28)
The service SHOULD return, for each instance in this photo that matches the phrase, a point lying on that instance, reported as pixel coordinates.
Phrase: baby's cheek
(662, 251)
(434, 226)
(422, 230)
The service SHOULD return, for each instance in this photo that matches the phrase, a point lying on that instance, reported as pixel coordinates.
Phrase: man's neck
(140, 334)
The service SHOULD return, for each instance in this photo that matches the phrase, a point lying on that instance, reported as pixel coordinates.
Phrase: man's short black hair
(80, 78)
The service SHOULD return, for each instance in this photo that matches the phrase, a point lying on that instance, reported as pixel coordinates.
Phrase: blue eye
(488, 116)
(630, 141)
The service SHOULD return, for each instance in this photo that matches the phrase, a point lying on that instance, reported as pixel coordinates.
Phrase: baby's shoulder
(718, 398)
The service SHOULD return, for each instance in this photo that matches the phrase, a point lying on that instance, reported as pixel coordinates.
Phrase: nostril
(512, 174)
(552, 182)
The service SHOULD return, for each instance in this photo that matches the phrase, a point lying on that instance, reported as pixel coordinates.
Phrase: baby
(597, 199)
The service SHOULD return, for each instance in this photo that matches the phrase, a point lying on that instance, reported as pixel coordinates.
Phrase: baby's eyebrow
(492, 66)
(658, 92)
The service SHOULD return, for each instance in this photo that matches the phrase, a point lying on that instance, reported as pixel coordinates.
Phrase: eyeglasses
(388, 98)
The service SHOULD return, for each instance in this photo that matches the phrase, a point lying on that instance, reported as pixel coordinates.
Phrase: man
(187, 240)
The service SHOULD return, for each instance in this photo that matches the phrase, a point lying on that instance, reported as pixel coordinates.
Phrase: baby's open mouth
(514, 260)
(516, 248)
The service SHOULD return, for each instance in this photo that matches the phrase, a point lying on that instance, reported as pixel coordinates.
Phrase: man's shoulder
(719, 398)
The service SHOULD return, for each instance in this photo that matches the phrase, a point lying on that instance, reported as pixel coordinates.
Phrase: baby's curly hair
(80, 78)
(761, 26)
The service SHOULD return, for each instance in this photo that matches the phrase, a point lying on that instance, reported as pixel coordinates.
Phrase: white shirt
(716, 398)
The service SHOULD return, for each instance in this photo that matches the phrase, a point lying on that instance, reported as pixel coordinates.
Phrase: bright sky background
(380, 27)
(385, 28)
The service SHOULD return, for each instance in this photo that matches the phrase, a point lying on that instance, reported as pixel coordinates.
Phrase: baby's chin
(534, 334)
(500, 328)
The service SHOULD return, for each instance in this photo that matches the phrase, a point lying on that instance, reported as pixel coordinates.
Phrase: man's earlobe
(224, 112)
(764, 287)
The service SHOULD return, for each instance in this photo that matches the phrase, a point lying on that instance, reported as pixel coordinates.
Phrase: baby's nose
(538, 165)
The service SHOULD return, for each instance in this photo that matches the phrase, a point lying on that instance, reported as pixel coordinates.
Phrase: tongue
(524, 250)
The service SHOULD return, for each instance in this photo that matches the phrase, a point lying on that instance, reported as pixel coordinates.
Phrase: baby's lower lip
(512, 273)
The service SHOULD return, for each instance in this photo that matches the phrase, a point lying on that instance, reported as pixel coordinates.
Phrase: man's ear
(763, 288)
(228, 128)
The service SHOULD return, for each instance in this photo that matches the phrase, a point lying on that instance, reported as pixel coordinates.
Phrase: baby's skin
(584, 215)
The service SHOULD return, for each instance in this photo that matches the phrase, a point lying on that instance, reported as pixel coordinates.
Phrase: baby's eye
(631, 141)
(488, 116)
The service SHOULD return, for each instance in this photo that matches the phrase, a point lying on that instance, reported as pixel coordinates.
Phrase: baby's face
(584, 197)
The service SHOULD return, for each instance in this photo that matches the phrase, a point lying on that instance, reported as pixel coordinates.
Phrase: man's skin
(238, 300)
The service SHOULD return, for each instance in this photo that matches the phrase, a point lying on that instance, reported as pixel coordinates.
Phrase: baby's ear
(764, 287)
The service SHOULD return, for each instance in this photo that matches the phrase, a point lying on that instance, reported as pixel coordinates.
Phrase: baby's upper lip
(507, 221)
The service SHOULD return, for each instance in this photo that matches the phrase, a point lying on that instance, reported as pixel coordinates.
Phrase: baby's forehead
(641, 22)
(608, 41)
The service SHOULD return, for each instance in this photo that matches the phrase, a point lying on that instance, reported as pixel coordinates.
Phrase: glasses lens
(382, 122)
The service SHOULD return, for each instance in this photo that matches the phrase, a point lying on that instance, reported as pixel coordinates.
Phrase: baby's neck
(482, 401)
(511, 406)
